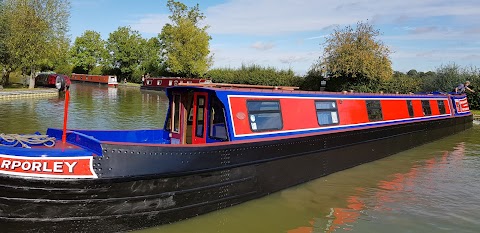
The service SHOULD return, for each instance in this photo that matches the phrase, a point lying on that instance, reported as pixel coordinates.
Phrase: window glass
(441, 106)
(374, 110)
(427, 111)
(218, 126)
(264, 115)
(410, 108)
(200, 114)
(176, 113)
(327, 112)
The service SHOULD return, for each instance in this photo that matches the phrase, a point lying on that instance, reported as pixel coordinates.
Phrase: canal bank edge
(15, 94)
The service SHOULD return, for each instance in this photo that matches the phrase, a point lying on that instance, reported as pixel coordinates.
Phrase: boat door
(178, 116)
(199, 124)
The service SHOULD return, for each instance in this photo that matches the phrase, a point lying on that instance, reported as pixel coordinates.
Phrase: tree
(356, 59)
(152, 62)
(412, 72)
(4, 52)
(126, 48)
(36, 32)
(88, 51)
(184, 42)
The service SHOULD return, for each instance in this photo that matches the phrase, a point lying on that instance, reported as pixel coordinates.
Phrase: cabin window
(218, 126)
(159, 82)
(427, 111)
(441, 106)
(200, 114)
(176, 113)
(410, 108)
(149, 82)
(374, 110)
(264, 115)
(327, 112)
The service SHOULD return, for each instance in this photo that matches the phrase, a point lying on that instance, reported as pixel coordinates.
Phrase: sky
(290, 34)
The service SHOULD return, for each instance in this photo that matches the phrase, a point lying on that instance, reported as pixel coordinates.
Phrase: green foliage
(402, 83)
(152, 62)
(356, 58)
(36, 32)
(88, 51)
(185, 44)
(255, 75)
(63, 69)
(311, 81)
(126, 48)
(448, 77)
(98, 70)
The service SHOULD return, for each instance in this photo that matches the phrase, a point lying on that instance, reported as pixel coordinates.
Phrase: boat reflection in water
(414, 187)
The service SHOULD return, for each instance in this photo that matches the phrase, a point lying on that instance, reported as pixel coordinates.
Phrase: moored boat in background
(161, 83)
(110, 80)
(58, 81)
(220, 145)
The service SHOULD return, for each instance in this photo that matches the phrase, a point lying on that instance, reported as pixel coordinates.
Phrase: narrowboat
(220, 146)
(58, 81)
(110, 80)
(161, 83)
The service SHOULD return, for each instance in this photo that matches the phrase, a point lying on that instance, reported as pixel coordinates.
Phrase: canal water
(431, 188)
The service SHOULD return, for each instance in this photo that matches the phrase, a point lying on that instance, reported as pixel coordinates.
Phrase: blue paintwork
(92, 139)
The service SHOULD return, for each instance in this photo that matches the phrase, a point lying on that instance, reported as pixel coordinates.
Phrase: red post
(65, 116)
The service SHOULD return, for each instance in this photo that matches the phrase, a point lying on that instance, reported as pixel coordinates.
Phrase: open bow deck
(220, 146)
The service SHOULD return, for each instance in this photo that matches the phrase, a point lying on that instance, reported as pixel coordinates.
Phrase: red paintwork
(394, 109)
(300, 113)
(199, 140)
(448, 107)
(352, 112)
(434, 107)
(417, 108)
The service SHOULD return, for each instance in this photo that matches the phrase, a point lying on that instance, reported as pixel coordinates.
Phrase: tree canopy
(356, 56)
(88, 51)
(185, 44)
(35, 32)
(126, 48)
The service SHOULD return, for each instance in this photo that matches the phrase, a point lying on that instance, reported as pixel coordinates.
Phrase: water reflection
(91, 107)
(397, 201)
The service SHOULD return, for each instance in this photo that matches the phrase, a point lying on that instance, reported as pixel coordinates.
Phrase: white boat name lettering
(56, 167)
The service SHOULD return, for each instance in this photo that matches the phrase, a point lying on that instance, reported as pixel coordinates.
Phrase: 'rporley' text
(57, 167)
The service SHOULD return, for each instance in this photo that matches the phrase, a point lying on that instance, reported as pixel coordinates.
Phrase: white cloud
(270, 17)
(262, 45)
(151, 23)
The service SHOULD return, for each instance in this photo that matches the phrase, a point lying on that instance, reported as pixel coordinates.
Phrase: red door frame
(199, 137)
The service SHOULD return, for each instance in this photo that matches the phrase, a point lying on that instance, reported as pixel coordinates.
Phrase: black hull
(194, 181)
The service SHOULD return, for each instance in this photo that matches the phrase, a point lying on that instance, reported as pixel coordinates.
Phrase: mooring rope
(25, 140)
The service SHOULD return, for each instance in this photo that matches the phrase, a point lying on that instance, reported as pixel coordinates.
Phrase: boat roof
(240, 89)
